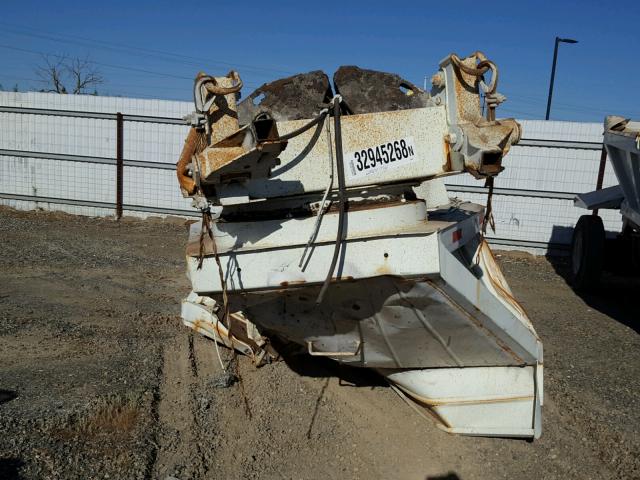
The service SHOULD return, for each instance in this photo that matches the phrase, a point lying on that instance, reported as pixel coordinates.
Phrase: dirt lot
(98, 379)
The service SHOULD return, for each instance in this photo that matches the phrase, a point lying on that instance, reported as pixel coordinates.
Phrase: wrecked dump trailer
(325, 222)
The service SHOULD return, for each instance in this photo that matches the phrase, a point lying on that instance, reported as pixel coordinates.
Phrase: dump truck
(326, 224)
(589, 255)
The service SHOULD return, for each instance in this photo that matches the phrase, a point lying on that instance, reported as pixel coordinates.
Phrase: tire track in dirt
(207, 427)
(176, 438)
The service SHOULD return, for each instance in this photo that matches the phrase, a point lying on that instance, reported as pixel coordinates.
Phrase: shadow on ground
(618, 295)
(298, 360)
(10, 468)
(7, 395)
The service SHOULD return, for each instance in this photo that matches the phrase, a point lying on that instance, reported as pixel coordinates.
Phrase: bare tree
(83, 75)
(60, 72)
(52, 73)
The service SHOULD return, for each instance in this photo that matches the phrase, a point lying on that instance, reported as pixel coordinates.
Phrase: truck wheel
(587, 252)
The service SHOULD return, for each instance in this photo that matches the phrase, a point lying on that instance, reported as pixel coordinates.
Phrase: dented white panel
(278, 268)
(475, 401)
(396, 239)
(393, 219)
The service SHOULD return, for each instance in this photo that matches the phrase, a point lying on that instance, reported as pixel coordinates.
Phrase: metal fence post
(119, 164)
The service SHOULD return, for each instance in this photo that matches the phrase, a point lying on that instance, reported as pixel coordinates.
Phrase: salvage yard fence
(82, 155)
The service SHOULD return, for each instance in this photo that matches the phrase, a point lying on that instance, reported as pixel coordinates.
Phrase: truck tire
(587, 252)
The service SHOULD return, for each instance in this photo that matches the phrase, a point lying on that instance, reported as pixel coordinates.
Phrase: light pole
(553, 70)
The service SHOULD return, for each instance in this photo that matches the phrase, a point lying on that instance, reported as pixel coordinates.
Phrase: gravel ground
(98, 379)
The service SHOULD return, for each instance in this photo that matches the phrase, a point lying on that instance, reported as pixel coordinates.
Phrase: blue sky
(153, 49)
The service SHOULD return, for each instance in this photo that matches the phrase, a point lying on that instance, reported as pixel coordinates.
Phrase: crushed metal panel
(200, 314)
(397, 323)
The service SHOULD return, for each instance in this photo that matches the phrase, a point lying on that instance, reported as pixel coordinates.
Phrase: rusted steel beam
(119, 164)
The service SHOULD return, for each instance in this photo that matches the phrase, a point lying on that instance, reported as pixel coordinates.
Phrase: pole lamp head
(567, 40)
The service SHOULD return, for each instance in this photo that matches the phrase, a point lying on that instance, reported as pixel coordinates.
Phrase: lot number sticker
(386, 156)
